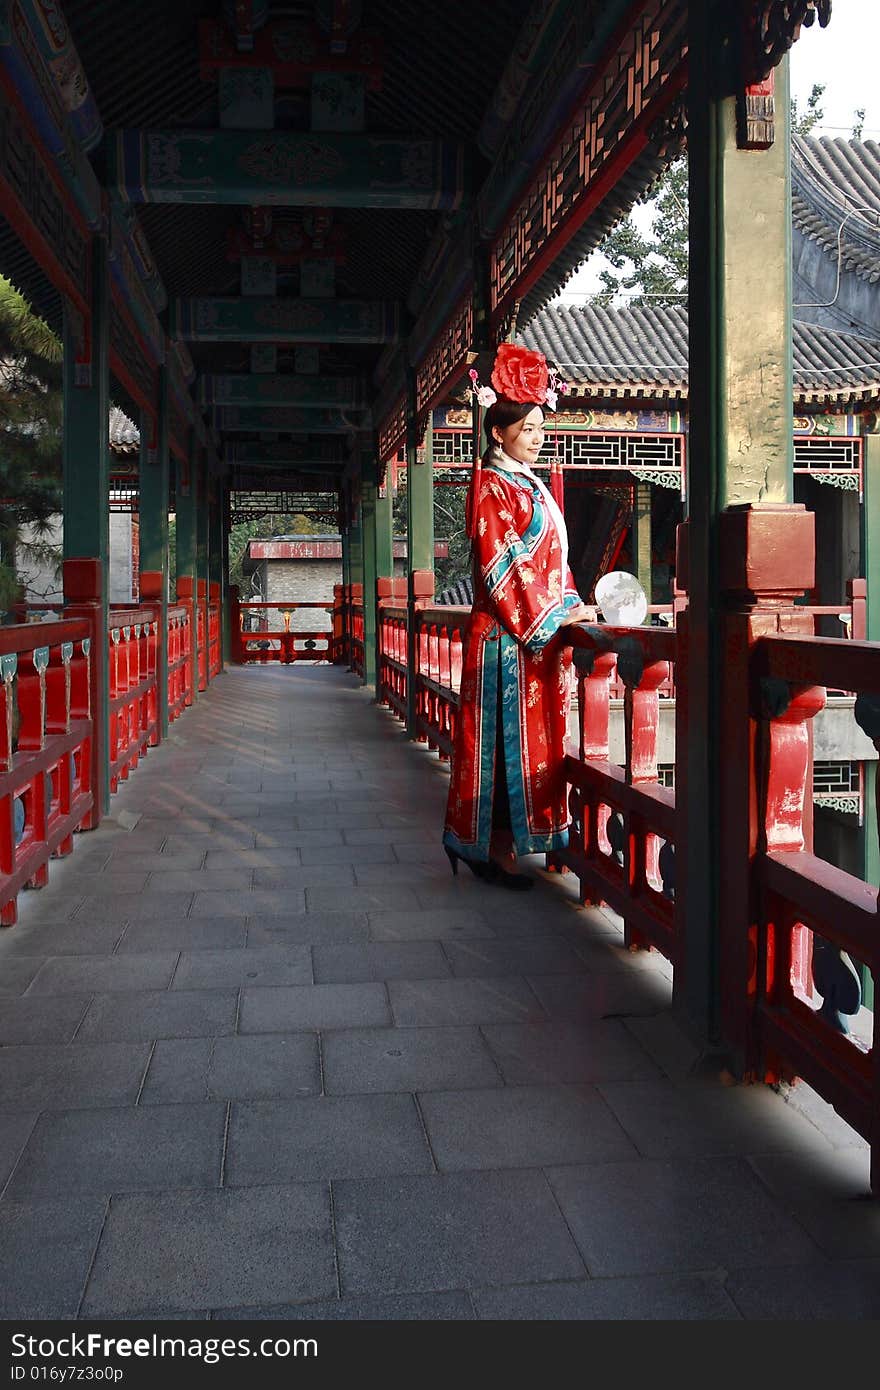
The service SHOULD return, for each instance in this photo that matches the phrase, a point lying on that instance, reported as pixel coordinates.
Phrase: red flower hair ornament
(521, 375)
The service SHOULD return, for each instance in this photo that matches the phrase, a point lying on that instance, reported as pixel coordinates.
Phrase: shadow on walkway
(262, 1056)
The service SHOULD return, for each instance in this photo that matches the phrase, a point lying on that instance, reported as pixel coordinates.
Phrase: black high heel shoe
(490, 872)
(481, 868)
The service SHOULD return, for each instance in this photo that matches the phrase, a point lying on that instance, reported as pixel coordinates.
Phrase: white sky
(845, 58)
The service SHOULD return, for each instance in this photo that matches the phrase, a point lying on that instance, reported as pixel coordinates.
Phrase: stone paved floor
(262, 1056)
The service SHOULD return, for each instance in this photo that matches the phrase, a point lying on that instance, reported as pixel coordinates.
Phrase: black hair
(503, 414)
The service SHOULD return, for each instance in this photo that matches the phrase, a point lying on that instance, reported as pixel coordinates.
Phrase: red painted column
(84, 598)
(767, 560)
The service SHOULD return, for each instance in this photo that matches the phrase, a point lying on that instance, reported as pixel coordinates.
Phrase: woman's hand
(581, 614)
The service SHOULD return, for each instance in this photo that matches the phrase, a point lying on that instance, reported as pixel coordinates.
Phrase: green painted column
(356, 544)
(369, 492)
(384, 549)
(186, 502)
(215, 545)
(419, 544)
(641, 536)
(740, 452)
(86, 501)
(225, 524)
(870, 516)
(153, 504)
(200, 481)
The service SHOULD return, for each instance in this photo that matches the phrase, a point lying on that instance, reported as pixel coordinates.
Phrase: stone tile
(122, 1150)
(842, 1290)
(255, 903)
(164, 880)
(425, 1307)
(293, 1009)
(406, 1059)
(217, 843)
(16, 972)
(660, 1216)
(267, 965)
(183, 858)
(417, 877)
(46, 1249)
(828, 1193)
(324, 1137)
(15, 1128)
(76, 938)
(208, 934)
(308, 928)
(808, 1103)
(159, 1014)
(101, 974)
(48, 906)
(671, 1297)
(348, 854)
(667, 1121)
(408, 960)
(252, 1068)
(522, 1127)
(365, 899)
(418, 852)
(427, 1003)
(449, 1231)
(529, 957)
(71, 1074)
(299, 876)
(418, 924)
(404, 834)
(545, 1053)
(115, 879)
(34, 1020)
(615, 995)
(134, 907)
(184, 1239)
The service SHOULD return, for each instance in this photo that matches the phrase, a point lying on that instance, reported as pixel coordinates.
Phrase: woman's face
(523, 439)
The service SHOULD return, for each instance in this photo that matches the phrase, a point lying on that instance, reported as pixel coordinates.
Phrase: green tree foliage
(651, 267)
(802, 122)
(31, 411)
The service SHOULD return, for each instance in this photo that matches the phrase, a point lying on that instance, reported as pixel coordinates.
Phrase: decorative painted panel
(285, 320)
(392, 429)
(242, 389)
(633, 87)
(447, 356)
(303, 168)
(286, 418)
(34, 205)
(131, 358)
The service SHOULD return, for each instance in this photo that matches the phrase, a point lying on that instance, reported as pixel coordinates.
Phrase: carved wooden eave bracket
(769, 29)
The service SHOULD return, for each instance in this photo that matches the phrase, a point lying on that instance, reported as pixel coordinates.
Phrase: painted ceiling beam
(287, 418)
(264, 320)
(307, 391)
(284, 455)
(291, 168)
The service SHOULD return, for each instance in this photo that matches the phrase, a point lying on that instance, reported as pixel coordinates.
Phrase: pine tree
(31, 407)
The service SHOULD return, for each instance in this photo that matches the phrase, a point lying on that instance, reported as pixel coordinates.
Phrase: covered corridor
(263, 1057)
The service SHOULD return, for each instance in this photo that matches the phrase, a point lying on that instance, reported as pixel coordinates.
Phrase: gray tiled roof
(643, 352)
(833, 180)
(124, 434)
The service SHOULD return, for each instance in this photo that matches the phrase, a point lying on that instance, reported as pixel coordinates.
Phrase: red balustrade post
(857, 593)
(201, 633)
(187, 597)
(420, 591)
(152, 585)
(83, 598)
(767, 560)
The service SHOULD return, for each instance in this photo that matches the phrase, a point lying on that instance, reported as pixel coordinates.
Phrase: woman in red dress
(507, 793)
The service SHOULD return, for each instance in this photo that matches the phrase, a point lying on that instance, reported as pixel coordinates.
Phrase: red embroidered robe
(521, 598)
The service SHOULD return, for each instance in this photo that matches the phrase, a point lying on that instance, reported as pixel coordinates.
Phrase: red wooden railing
(812, 916)
(356, 637)
(133, 704)
(46, 789)
(808, 907)
(215, 638)
(180, 691)
(280, 645)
